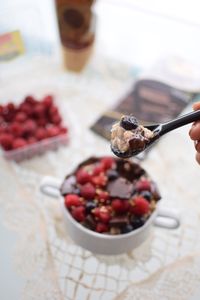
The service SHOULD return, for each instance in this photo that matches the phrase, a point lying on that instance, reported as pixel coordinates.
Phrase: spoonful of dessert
(129, 138)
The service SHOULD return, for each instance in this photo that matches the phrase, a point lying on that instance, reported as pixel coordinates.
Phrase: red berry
(103, 196)
(8, 112)
(104, 216)
(1, 119)
(26, 108)
(107, 162)
(20, 117)
(96, 212)
(4, 127)
(63, 130)
(1, 130)
(98, 169)
(38, 110)
(41, 122)
(30, 100)
(56, 119)
(143, 185)
(101, 227)
(100, 180)
(48, 100)
(19, 143)
(53, 110)
(140, 206)
(11, 106)
(6, 141)
(53, 131)
(72, 200)
(41, 133)
(30, 127)
(79, 213)
(16, 129)
(87, 191)
(120, 206)
(82, 176)
(126, 205)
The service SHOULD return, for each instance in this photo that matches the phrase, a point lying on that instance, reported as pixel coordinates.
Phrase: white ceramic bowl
(108, 244)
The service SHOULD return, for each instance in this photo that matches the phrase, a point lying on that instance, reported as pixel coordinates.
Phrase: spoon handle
(181, 121)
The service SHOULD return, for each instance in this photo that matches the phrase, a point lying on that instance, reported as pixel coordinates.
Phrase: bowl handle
(50, 186)
(167, 218)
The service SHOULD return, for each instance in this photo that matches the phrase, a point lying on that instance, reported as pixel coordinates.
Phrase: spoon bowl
(159, 130)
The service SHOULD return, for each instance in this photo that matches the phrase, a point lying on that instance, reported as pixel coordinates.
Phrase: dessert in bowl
(109, 204)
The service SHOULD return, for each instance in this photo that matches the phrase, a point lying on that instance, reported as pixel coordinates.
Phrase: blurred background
(136, 31)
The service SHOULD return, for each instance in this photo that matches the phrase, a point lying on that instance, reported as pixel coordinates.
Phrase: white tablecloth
(51, 265)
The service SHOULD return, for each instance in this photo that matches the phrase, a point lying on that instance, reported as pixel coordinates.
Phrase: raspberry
(140, 207)
(16, 129)
(19, 143)
(79, 213)
(87, 191)
(96, 212)
(120, 206)
(53, 131)
(6, 141)
(40, 133)
(101, 227)
(103, 196)
(3, 127)
(38, 110)
(30, 127)
(126, 205)
(63, 130)
(30, 100)
(100, 180)
(41, 122)
(53, 110)
(104, 216)
(82, 176)
(72, 200)
(47, 101)
(26, 108)
(107, 162)
(9, 116)
(9, 112)
(98, 169)
(56, 119)
(11, 106)
(20, 117)
(143, 185)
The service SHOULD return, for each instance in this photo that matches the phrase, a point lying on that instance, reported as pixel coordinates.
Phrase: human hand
(194, 133)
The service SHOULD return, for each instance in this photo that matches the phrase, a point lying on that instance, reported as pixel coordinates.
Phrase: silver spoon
(159, 130)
